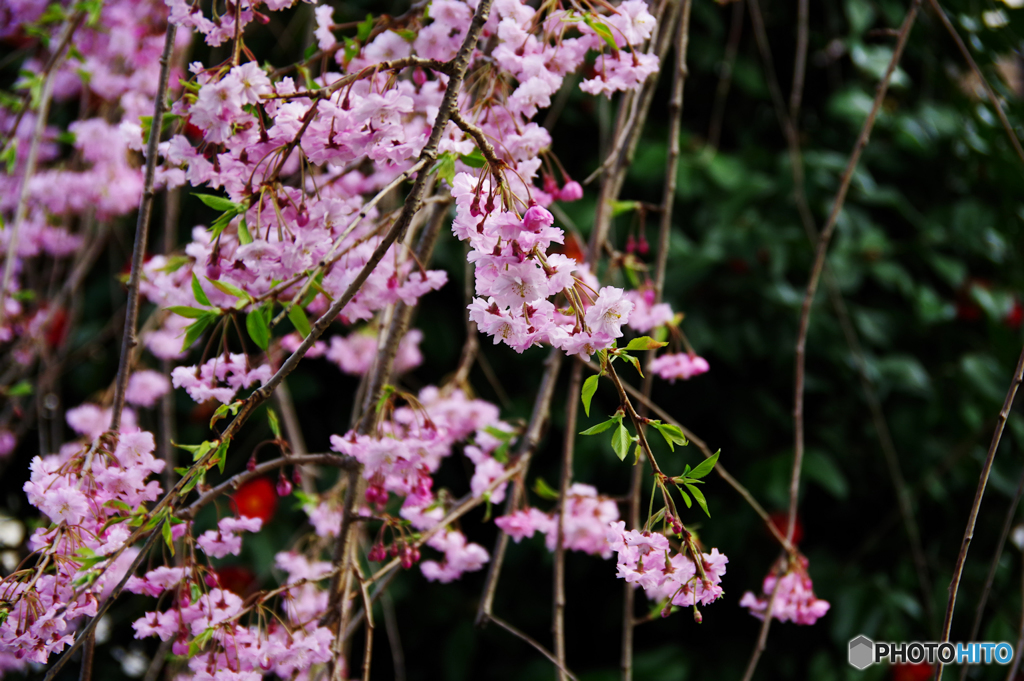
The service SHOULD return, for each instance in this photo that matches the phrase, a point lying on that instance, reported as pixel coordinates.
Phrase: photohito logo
(865, 652)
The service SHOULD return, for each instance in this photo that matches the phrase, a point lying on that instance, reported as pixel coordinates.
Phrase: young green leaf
(587, 394)
(686, 498)
(194, 330)
(184, 311)
(256, 325)
(198, 292)
(20, 389)
(644, 343)
(601, 427)
(621, 441)
(299, 320)
(168, 537)
(699, 496)
(705, 466)
(229, 289)
(275, 425)
(218, 202)
(544, 490)
(364, 28)
(672, 434)
(243, 233)
(473, 160)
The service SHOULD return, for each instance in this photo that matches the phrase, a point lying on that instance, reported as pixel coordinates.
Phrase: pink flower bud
(251, 464)
(572, 191)
(537, 218)
(284, 486)
(419, 77)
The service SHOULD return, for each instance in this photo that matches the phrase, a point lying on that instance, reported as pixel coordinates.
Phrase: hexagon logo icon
(862, 652)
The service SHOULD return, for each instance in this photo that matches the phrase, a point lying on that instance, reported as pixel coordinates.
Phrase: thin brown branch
(21, 210)
(800, 61)
(524, 453)
(344, 463)
(961, 558)
(568, 449)
(819, 262)
(538, 647)
(993, 567)
(762, 637)
(129, 339)
(725, 75)
(1010, 134)
(675, 112)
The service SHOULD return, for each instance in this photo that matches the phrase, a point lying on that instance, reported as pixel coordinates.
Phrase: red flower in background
(922, 671)
(256, 498)
(780, 520)
(236, 579)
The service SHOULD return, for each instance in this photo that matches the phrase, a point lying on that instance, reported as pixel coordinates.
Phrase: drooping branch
(972, 518)
(129, 339)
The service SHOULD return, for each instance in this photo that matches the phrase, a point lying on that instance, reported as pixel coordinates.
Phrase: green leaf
(168, 537)
(199, 642)
(190, 312)
(601, 29)
(243, 233)
(634, 361)
(699, 496)
(620, 207)
(601, 427)
(256, 325)
(275, 425)
(705, 466)
(445, 167)
(198, 292)
(621, 441)
(20, 389)
(644, 343)
(474, 160)
(364, 28)
(672, 434)
(299, 320)
(195, 330)
(219, 203)
(544, 490)
(229, 289)
(686, 498)
(587, 394)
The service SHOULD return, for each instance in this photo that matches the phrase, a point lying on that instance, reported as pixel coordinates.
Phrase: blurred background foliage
(927, 257)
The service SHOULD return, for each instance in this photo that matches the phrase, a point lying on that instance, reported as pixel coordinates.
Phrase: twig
(762, 637)
(21, 212)
(524, 452)
(961, 558)
(568, 448)
(789, 124)
(234, 482)
(675, 111)
(394, 639)
(984, 82)
(1012, 674)
(725, 76)
(993, 567)
(800, 61)
(541, 649)
(129, 340)
(819, 263)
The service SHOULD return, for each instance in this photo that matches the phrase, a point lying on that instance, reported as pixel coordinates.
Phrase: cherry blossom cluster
(86, 174)
(587, 517)
(87, 491)
(401, 458)
(647, 559)
(794, 595)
